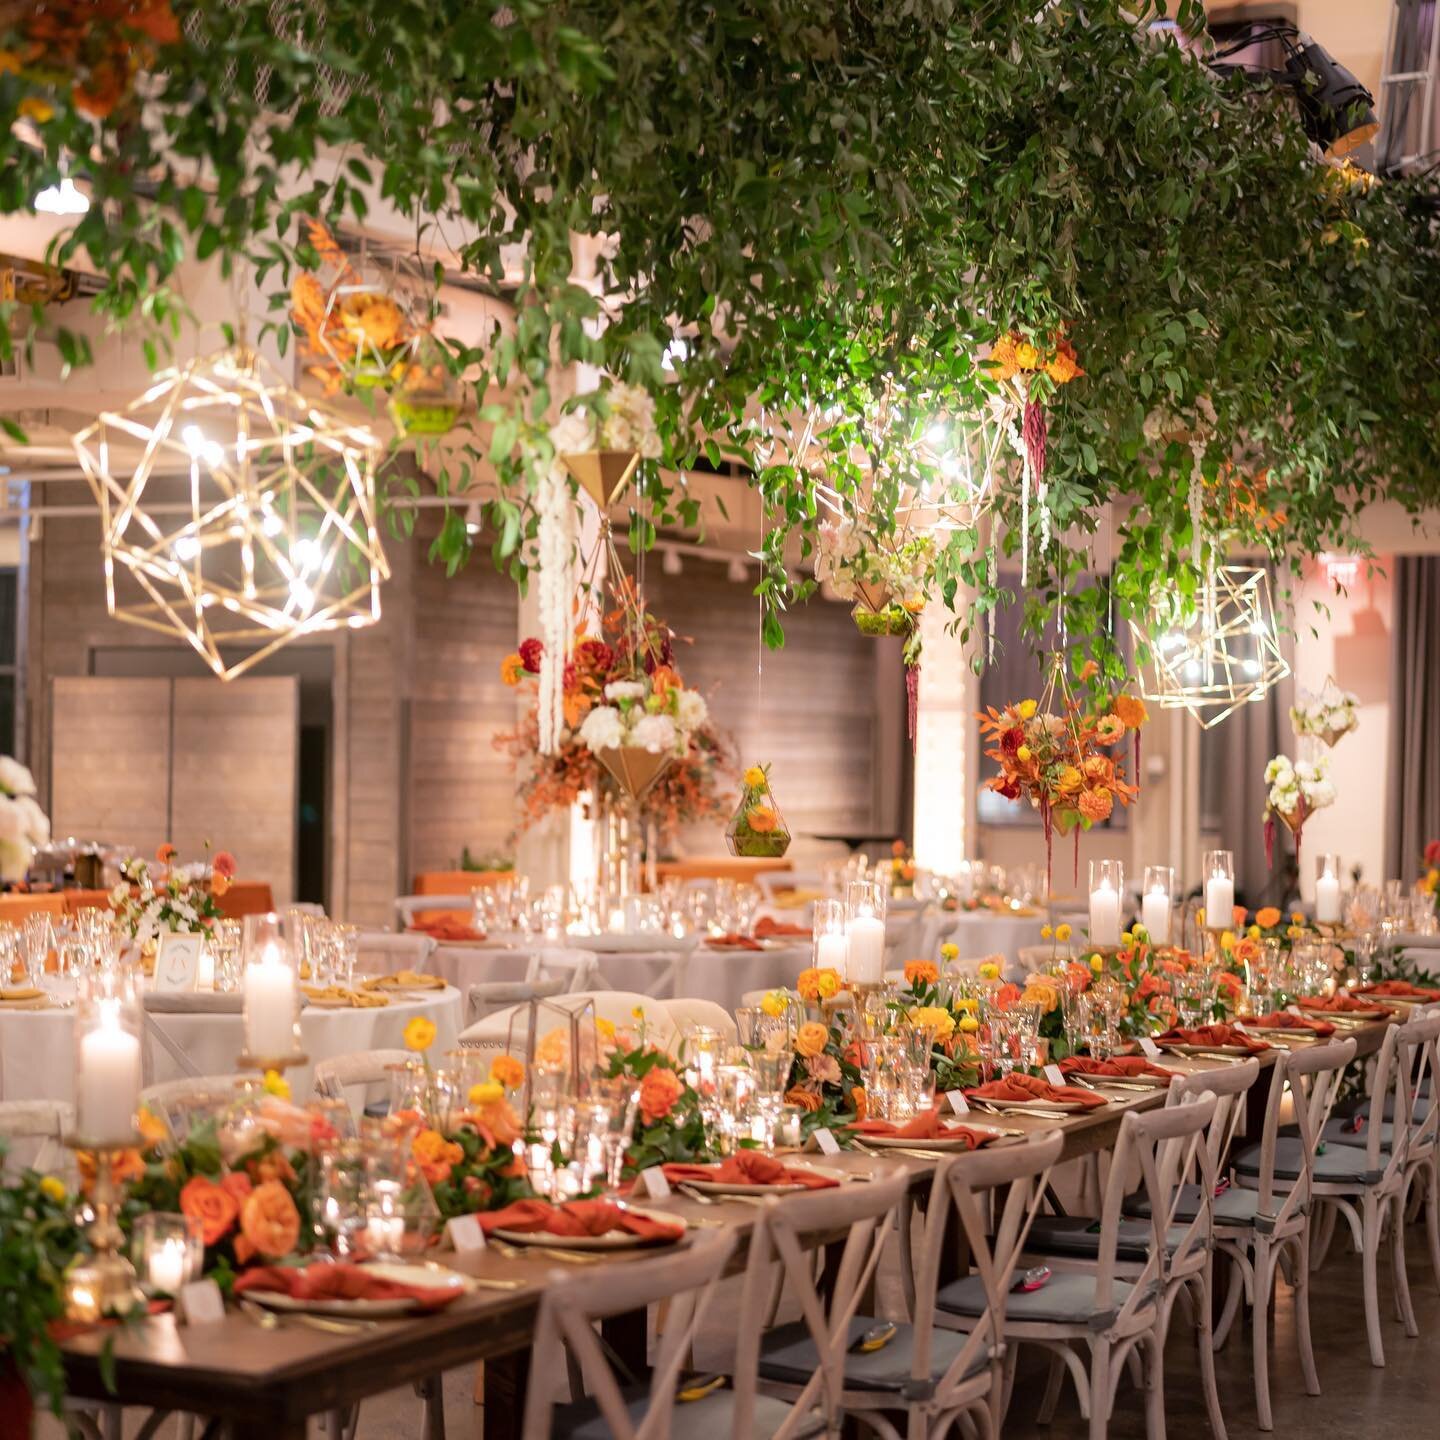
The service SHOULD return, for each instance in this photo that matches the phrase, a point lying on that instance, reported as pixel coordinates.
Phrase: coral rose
(811, 1038)
(803, 1099)
(1109, 729)
(506, 1070)
(435, 1155)
(224, 864)
(499, 1122)
(269, 1223)
(1267, 917)
(166, 853)
(1007, 995)
(925, 972)
(212, 1204)
(659, 1091)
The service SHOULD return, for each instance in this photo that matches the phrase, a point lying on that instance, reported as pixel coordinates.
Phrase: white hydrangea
(691, 711)
(37, 823)
(15, 779)
(655, 733)
(625, 690)
(573, 433)
(602, 728)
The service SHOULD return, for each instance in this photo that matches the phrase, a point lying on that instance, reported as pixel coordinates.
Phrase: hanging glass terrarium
(757, 829)
(425, 398)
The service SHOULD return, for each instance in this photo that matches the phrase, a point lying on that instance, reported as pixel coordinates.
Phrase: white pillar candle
(830, 952)
(1155, 915)
(1219, 902)
(109, 1088)
(1104, 915)
(167, 1266)
(270, 1006)
(1327, 899)
(865, 950)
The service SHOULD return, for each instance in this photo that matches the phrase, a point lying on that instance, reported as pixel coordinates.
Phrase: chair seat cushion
(788, 1354)
(1079, 1236)
(1232, 1207)
(1340, 1130)
(1334, 1165)
(1067, 1298)
(710, 1418)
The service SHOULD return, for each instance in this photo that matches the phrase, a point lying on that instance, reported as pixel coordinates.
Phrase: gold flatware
(701, 1198)
(269, 1320)
(520, 1252)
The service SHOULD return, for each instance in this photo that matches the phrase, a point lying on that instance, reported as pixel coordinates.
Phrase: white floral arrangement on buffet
(641, 715)
(23, 824)
(1327, 716)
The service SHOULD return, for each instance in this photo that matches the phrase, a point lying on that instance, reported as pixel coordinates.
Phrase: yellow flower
(506, 1070)
(1070, 780)
(1297, 917)
(9, 63)
(1046, 932)
(419, 1033)
(1097, 964)
(829, 983)
(512, 669)
(1227, 940)
(638, 1013)
(53, 1189)
(486, 1093)
(1128, 938)
(32, 107)
(605, 1029)
(968, 1024)
(811, 1039)
(1023, 754)
(754, 778)
(1295, 932)
(775, 1003)
(967, 1004)
(1026, 709)
(949, 950)
(935, 1018)
(277, 1085)
(1200, 918)
(1062, 933)
(989, 971)
(1254, 932)
(1039, 992)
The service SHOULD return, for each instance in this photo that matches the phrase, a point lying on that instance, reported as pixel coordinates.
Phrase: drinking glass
(341, 1196)
(922, 1089)
(36, 937)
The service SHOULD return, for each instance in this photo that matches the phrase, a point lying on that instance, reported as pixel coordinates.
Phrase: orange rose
(506, 1070)
(237, 1185)
(860, 1101)
(1131, 710)
(805, 1099)
(1267, 917)
(811, 1039)
(435, 1155)
(166, 853)
(761, 819)
(498, 1121)
(269, 1223)
(212, 1205)
(659, 1091)
(925, 971)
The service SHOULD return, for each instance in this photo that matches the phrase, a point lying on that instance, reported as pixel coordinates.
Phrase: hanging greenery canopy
(841, 208)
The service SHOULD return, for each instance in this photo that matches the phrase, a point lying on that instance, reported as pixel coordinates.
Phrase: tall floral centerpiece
(23, 824)
(1297, 789)
(174, 897)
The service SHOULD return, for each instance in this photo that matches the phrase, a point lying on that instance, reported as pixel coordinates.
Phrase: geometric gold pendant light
(236, 512)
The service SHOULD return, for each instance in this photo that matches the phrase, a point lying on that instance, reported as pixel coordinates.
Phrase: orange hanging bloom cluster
(1242, 498)
(1011, 355)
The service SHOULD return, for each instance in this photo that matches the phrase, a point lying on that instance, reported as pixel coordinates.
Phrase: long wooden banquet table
(264, 1383)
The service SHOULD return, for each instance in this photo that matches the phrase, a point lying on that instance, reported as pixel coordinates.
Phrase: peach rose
(269, 1223)
(224, 864)
(506, 1070)
(212, 1204)
(498, 1121)
(1267, 917)
(804, 1099)
(435, 1155)
(811, 1038)
(659, 1091)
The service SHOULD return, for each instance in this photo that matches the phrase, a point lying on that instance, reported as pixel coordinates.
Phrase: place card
(465, 1234)
(1294, 1010)
(958, 1103)
(200, 1303)
(177, 961)
(1148, 1048)
(1055, 1075)
(657, 1187)
(827, 1142)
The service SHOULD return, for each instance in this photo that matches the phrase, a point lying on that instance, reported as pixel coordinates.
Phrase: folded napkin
(21, 992)
(732, 941)
(339, 1282)
(928, 1126)
(403, 980)
(1396, 989)
(339, 995)
(576, 1217)
(769, 928)
(1284, 1020)
(1119, 1068)
(1028, 1087)
(747, 1167)
(1334, 1004)
(1213, 1035)
(444, 929)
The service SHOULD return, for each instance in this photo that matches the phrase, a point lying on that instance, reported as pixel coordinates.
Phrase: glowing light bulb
(208, 451)
(62, 199)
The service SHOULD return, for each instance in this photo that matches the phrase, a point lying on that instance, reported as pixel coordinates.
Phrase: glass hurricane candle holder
(829, 943)
(1327, 889)
(108, 1024)
(168, 1251)
(1107, 899)
(1218, 882)
(270, 987)
(865, 902)
(1157, 901)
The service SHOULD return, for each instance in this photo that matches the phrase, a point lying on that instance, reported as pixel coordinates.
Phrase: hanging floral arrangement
(1328, 716)
(1297, 790)
(757, 829)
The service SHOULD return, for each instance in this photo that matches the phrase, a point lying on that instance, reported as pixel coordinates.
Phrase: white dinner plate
(429, 1275)
(1063, 1107)
(614, 1240)
(889, 1142)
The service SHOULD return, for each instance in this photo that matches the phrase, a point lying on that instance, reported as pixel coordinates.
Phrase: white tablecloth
(980, 933)
(37, 1047)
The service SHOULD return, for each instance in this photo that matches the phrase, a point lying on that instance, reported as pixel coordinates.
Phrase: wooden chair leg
(1402, 1276)
(1260, 1318)
(1370, 1247)
(1051, 1397)
(1100, 1389)
(1205, 1342)
(1432, 1212)
(1302, 1315)
(1234, 1293)
(1154, 1348)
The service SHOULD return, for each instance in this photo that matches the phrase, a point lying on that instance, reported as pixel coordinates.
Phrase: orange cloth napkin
(747, 1167)
(732, 941)
(1334, 1004)
(1213, 1035)
(1029, 1087)
(443, 929)
(1397, 989)
(576, 1217)
(1121, 1067)
(768, 928)
(339, 1282)
(928, 1126)
(1284, 1020)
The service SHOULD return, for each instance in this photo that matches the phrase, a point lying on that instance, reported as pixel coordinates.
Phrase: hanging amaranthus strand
(556, 509)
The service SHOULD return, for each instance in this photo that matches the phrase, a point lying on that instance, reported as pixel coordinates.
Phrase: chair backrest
(968, 1185)
(171, 1100)
(862, 1212)
(407, 907)
(1312, 1076)
(491, 995)
(1036, 958)
(575, 969)
(1228, 1084)
(571, 1306)
(336, 1073)
(617, 1006)
(687, 1012)
(393, 953)
(40, 1127)
(1418, 1054)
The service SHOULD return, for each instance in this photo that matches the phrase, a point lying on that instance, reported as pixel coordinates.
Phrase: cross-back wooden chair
(368, 1071)
(393, 953)
(34, 1133)
(174, 1101)
(1423, 1161)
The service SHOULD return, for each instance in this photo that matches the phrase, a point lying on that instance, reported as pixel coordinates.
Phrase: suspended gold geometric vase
(602, 474)
(1224, 656)
(635, 769)
(243, 512)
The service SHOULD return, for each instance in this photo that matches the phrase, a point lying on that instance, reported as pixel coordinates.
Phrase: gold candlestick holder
(264, 1063)
(104, 1282)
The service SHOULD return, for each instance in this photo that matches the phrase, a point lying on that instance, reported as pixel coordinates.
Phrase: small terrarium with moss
(757, 829)
(891, 619)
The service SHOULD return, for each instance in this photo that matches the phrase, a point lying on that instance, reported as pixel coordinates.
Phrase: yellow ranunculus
(638, 1013)
(968, 1024)
(1295, 932)
(775, 1003)
(1128, 938)
(829, 983)
(989, 971)
(1227, 940)
(487, 1092)
(1062, 933)
(53, 1188)
(1046, 932)
(419, 1033)
(1023, 754)
(754, 778)
(1026, 709)
(1070, 780)
(966, 1003)
(934, 1018)
(1097, 963)
(1037, 992)
(604, 1028)
(949, 951)
(276, 1084)
(1254, 932)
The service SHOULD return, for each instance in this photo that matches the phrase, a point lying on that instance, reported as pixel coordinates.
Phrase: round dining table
(37, 1045)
